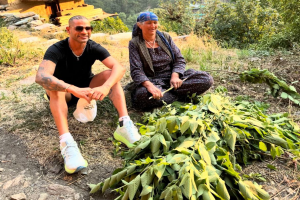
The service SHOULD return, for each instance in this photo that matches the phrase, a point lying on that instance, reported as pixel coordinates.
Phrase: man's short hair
(77, 17)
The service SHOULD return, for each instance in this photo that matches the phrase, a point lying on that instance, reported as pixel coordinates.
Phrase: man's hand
(81, 92)
(99, 93)
(175, 81)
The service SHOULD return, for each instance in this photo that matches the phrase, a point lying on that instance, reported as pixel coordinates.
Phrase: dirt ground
(30, 161)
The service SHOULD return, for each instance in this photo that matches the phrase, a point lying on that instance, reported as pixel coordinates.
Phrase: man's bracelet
(67, 88)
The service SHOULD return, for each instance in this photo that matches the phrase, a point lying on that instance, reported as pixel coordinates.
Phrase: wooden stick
(168, 89)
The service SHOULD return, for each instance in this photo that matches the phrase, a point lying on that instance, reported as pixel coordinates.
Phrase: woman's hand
(175, 81)
(156, 93)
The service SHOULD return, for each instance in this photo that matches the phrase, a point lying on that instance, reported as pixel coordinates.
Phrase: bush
(109, 25)
(244, 23)
(11, 49)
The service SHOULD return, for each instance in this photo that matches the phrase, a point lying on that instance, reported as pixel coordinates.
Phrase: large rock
(11, 19)
(55, 189)
(36, 17)
(14, 182)
(3, 7)
(25, 15)
(43, 196)
(24, 21)
(35, 23)
(11, 27)
(20, 196)
(41, 27)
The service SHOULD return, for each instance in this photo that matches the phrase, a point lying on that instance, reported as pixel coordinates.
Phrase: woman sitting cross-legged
(156, 64)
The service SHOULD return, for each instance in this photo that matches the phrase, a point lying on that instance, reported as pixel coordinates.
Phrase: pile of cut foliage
(193, 151)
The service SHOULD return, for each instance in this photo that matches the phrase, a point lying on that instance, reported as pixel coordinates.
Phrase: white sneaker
(128, 134)
(73, 159)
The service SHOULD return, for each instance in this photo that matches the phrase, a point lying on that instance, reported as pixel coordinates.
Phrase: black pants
(197, 82)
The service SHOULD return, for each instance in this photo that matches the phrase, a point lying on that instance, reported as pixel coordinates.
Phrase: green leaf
(230, 138)
(146, 190)
(162, 140)
(141, 146)
(284, 95)
(105, 185)
(293, 88)
(207, 195)
(178, 158)
(185, 127)
(187, 143)
(159, 170)
(193, 126)
(130, 169)
(155, 145)
(245, 191)
(171, 123)
(271, 167)
(212, 108)
(273, 151)
(263, 146)
(147, 177)
(161, 125)
(222, 190)
(133, 186)
(210, 145)
(186, 183)
(95, 188)
(204, 153)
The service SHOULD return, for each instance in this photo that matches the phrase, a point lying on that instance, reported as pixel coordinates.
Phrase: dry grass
(26, 113)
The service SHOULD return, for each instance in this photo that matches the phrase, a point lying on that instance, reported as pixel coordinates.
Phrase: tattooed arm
(45, 77)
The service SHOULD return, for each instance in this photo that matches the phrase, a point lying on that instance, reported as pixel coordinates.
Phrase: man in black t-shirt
(66, 75)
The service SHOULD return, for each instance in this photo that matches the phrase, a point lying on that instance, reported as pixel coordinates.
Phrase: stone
(29, 39)
(41, 27)
(35, 23)
(56, 169)
(55, 189)
(95, 35)
(26, 184)
(43, 196)
(1, 169)
(77, 196)
(16, 181)
(12, 27)
(20, 196)
(11, 19)
(24, 26)
(36, 17)
(25, 15)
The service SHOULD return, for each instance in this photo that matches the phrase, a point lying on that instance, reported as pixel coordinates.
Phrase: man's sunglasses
(80, 28)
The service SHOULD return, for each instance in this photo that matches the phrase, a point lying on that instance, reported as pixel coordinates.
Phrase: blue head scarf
(147, 16)
(143, 17)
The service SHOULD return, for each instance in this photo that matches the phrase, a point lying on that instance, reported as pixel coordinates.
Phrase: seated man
(66, 75)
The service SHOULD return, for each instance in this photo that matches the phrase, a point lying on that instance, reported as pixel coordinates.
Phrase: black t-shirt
(71, 70)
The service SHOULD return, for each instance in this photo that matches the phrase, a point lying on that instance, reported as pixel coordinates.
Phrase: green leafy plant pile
(193, 151)
(276, 85)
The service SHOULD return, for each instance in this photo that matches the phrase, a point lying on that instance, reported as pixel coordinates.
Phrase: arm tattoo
(50, 83)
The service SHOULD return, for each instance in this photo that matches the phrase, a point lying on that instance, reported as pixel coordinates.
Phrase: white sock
(64, 137)
(124, 118)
